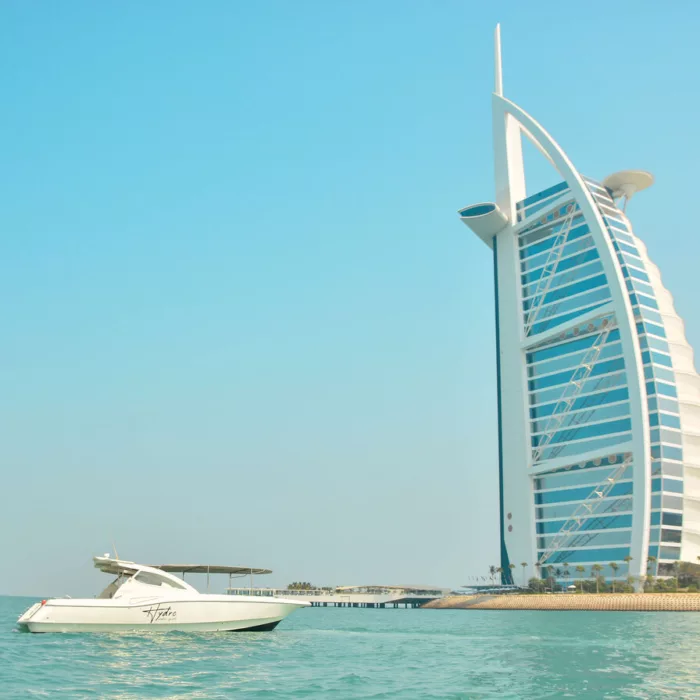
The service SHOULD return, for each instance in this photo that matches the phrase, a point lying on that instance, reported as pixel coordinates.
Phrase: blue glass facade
(577, 382)
(664, 413)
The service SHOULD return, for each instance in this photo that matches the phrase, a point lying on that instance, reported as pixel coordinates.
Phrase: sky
(241, 320)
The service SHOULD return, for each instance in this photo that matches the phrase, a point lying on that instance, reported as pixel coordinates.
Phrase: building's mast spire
(507, 146)
(498, 82)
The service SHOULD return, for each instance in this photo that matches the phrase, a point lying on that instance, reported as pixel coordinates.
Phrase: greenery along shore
(677, 577)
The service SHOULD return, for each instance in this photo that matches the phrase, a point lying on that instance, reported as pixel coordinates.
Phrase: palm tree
(581, 570)
(511, 567)
(614, 566)
(595, 570)
(544, 573)
(675, 574)
(524, 565)
(538, 570)
(627, 560)
(566, 573)
(300, 586)
(650, 562)
(492, 573)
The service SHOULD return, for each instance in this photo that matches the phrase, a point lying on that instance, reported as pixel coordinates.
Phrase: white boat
(152, 598)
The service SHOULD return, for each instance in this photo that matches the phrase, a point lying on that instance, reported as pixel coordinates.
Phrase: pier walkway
(352, 596)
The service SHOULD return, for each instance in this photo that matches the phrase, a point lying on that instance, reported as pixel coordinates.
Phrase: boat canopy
(210, 569)
(122, 567)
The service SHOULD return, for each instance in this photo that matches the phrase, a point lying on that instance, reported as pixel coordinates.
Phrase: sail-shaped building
(598, 397)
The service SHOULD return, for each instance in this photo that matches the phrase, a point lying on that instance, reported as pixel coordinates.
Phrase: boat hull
(156, 616)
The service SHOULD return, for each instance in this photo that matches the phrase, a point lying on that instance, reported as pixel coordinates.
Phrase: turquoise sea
(354, 653)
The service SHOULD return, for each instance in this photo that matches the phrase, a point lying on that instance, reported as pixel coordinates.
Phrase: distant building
(598, 397)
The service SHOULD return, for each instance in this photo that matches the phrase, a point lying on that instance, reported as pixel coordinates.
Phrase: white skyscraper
(598, 397)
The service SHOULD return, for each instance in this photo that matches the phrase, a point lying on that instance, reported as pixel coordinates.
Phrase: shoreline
(613, 602)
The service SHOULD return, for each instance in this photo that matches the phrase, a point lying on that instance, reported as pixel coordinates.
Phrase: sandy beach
(639, 602)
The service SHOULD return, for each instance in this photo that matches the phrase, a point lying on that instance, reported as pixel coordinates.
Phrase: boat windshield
(116, 584)
(142, 577)
(151, 579)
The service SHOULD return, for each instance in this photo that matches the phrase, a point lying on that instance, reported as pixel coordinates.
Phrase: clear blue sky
(241, 321)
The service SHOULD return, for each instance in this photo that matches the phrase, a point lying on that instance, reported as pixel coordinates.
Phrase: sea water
(358, 653)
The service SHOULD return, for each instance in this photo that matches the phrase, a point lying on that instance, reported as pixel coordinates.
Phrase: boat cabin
(138, 579)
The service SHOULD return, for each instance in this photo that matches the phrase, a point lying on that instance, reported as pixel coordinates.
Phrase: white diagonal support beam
(550, 267)
(572, 390)
(585, 510)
